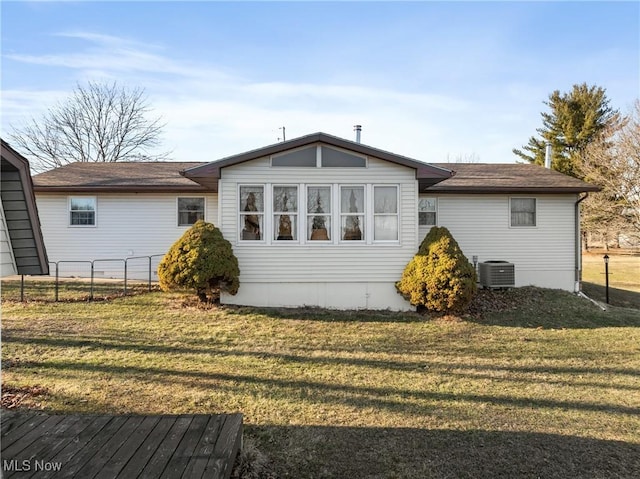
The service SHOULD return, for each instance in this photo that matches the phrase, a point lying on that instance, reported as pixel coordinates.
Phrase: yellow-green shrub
(202, 260)
(439, 277)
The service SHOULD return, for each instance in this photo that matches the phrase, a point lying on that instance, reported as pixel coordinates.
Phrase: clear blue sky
(435, 81)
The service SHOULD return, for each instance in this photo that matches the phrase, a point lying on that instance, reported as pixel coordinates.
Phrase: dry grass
(624, 278)
(546, 387)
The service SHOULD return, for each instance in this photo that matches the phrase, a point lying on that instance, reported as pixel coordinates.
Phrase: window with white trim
(190, 210)
(82, 211)
(285, 213)
(251, 209)
(385, 213)
(352, 217)
(523, 212)
(427, 211)
(319, 213)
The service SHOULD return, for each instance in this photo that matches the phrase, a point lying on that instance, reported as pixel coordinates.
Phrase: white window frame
(265, 231)
(204, 209)
(396, 214)
(70, 211)
(364, 214)
(435, 211)
(309, 216)
(535, 212)
(270, 226)
(273, 213)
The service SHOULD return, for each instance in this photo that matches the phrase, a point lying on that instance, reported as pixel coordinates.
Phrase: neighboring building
(319, 220)
(22, 249)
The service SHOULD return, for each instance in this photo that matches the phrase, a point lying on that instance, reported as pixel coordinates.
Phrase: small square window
(82, 211)
(190, 210)
(427, 211)
(523, 211)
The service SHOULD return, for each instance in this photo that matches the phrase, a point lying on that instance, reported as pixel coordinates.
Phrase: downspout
(578, 245)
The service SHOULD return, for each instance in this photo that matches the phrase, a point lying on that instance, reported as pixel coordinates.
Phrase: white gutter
(578, 245)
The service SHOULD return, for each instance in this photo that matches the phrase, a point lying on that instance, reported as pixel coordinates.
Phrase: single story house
(320, 220)
(22, 249)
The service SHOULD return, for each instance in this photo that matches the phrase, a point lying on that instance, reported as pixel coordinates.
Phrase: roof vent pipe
(357, 129)
(547, 156)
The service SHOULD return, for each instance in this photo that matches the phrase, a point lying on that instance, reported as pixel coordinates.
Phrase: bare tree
(612, 161)
(97, 123)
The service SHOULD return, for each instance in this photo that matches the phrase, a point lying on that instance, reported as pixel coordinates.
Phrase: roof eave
(196, 188)
(210, 172)
(512, 190)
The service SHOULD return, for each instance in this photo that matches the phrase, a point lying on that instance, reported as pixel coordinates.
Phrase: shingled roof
(157, 176)
(426, 173)
(172, 177)
(507, 178)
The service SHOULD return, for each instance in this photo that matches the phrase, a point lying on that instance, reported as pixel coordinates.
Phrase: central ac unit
(497, 274)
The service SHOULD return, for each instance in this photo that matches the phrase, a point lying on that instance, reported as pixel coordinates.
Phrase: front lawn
(546, 388)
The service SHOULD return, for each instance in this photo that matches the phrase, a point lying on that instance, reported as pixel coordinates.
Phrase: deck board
(119, 447)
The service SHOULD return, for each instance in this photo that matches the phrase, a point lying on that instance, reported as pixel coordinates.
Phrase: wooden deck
(127, 447)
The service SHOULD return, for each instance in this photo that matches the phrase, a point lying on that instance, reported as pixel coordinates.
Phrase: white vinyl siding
(129, 225)
(543, 256)
(321, 261)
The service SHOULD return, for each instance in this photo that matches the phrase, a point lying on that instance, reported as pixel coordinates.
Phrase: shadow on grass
(329, 315)
(622, 298)
(450, 368)
(342, 452)
(378, 397)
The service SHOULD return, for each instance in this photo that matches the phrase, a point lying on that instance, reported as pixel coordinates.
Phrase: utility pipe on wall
(547, 156)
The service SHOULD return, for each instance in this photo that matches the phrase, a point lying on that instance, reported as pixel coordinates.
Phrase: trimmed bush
(202, 260)
(439, 277)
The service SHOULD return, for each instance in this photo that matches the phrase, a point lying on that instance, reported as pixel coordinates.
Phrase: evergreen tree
(202, 260)
(439, 277)
(574, 120)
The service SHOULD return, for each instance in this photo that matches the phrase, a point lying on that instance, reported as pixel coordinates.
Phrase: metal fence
(87, 279)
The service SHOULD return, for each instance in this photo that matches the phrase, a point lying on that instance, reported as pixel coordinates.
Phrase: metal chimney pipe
(357, 129)
(547, 156)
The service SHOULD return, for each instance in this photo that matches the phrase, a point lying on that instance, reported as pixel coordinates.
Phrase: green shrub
(202, 260)
(439, 277)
